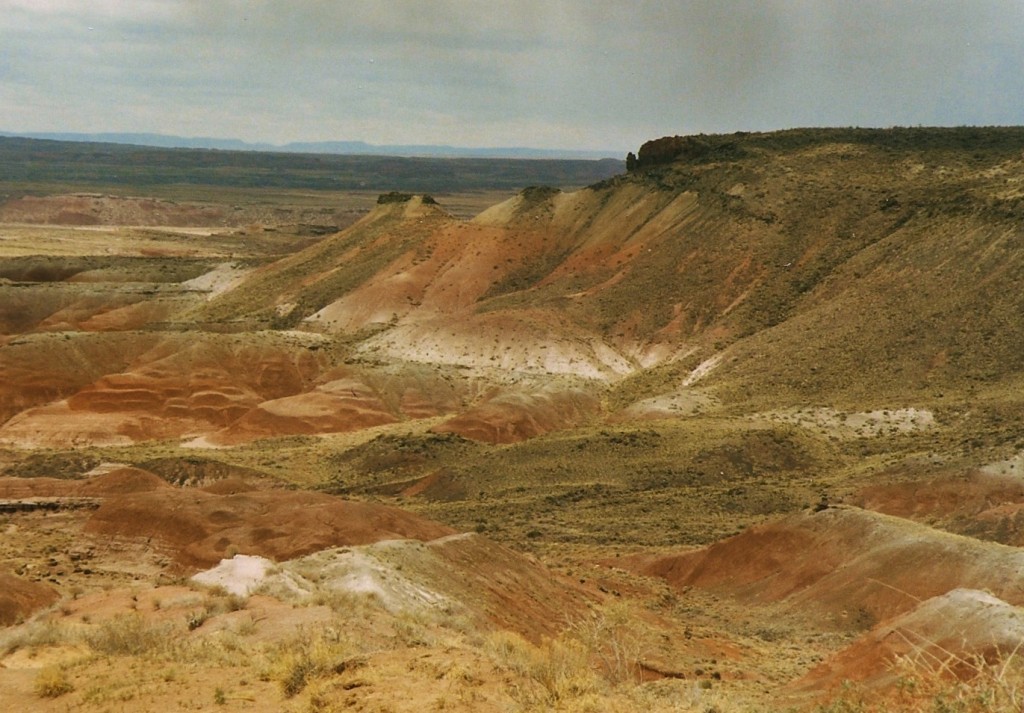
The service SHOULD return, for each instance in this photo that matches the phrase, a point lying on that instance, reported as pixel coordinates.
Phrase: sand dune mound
(179, 385)
(119, 481)
(949, 635)
(199, 528)
(847, 568)
(227, 389)
(19, 598)
(335, 407)
(346, 399)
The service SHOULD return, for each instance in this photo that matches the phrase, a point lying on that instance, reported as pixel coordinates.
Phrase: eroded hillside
(806, 259)
(798, 352)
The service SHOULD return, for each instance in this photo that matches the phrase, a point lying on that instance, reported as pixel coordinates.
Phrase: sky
(565, 74)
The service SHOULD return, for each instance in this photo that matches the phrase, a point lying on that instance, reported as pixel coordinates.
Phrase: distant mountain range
(317, 147)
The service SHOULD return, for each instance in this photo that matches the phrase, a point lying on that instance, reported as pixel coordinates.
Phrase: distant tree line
(28, 161)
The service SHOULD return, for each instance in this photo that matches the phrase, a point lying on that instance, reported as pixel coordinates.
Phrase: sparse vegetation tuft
(130, 635)
(297, 662)
(962, 684)
(52, 682)
(44, 631)
(553, 673)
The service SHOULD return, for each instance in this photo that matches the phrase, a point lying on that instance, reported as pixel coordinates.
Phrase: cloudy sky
(571, 74)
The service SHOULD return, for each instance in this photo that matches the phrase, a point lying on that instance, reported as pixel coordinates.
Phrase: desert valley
(736, 429)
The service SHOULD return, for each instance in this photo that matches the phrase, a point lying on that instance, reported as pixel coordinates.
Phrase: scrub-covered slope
(851, 268)
(836, 261)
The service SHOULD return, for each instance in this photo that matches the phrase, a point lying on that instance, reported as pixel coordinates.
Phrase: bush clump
(128, 636)
(52, 682)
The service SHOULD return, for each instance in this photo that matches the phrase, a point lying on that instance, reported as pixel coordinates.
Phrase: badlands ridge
(722, 432)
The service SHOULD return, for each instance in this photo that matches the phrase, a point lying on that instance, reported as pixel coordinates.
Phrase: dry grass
(596, 658)
(616, 638)
(554, 673)
(52, 682)
(217, 601)
(573, 675)
(309, 656)
(933, 680)
(130, 635)
(40, 632)
(958, 684)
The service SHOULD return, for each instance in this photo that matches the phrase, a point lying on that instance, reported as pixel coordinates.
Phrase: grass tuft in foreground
(52, 682)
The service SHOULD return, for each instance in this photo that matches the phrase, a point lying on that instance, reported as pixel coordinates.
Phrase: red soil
(336, 407)
(947, 635)
(42, 368)
(510, 590)
(21, 488)
(200, 528)
(172, 387)
(983, 505)
(19, 598)
(122, 481)
(845, 567)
